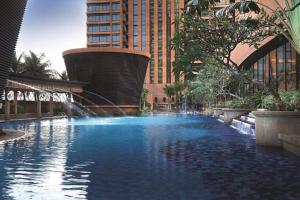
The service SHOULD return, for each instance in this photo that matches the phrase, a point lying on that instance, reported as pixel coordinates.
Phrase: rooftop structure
(11, 15)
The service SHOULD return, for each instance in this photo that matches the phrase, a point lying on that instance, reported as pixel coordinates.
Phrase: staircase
(245, 124)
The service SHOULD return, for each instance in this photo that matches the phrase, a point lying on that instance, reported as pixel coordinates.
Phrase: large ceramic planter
(269, 124)
(218, 112)
(230, 114)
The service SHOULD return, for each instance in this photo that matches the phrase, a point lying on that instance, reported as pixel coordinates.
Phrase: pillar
(69, 111)
(16, 102)
(51, 108)
(6, 106)
(39, 105)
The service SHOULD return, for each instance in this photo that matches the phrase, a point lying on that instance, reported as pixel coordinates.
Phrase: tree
(179, 87)
(169, 91)
(64, 75)
(214, 81)
(286, 18)
(217, 37)
(144, 95)
(17, 65)
(34, 65)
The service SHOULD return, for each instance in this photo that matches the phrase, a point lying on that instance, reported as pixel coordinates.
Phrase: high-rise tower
(146, 25)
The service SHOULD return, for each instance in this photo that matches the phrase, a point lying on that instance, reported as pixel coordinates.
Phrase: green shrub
(290, 99)
(268, 102)
(254, 101)
(248, 102)
(236, 103)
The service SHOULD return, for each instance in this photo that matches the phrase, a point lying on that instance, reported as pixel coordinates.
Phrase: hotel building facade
(145, 25)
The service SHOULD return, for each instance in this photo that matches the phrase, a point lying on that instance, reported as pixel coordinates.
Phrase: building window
(115, 37)
(152, 65)
(290, 65)
(261, 69)
(115, 6)
(99, 18)
(98, 7)
(144, 31)
(135, 24)
(160, 46)
(99, 38)
(115, 16)
(280, 67)
(115, 27)
(104, 45)
(116, 45)
(99, 28)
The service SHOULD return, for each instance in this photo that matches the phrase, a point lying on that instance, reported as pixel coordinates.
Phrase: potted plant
(271, 122)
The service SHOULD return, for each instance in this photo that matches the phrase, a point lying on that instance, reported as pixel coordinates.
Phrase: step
(290, 143)
(243, 127)
(248, 119)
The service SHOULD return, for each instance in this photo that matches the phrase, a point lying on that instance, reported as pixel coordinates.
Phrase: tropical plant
(64, 75)
(217, 37)
(217, 80)
(179, 87)
(285, 18)
(169, 90)
(17, 65)
(35, 65)
(291, 100)
(143, 101)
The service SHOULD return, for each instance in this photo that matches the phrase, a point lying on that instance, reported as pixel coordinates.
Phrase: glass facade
(98, 7)
(99, 38)
(144, 30)
(280, 66)
(160, 61)
(135, 24)
(104, 23)
(152, 64)
(99, 28)
(169, 63)
(115, 6)
(99, 18)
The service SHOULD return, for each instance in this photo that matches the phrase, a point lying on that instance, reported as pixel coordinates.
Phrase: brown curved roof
(106, 50)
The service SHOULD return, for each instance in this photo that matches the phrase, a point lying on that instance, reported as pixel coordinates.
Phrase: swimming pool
(151, 157)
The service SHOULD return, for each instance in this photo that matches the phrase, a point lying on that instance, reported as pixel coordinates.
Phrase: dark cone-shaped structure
(116, 74)
(11, 15)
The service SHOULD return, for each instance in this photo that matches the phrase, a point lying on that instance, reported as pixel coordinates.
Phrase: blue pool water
(155, 157)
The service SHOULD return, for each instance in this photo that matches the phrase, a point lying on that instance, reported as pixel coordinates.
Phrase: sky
(51, 27)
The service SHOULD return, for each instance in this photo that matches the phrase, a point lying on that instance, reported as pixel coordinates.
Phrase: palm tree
(169, 91)
(144, 95)
(64, 75)
(34, 65)
(179, 88)
(17, 65)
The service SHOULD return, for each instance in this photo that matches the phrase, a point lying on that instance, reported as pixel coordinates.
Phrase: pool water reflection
(155, 157)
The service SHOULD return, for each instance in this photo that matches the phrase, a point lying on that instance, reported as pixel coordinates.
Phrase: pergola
(20, 84)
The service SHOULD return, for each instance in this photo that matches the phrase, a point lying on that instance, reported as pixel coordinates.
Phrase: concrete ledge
(290, 143)
(218, 112)
(288, 114)
(270, 123)
(230, 114)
